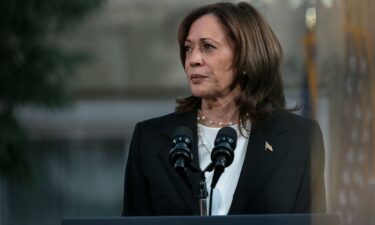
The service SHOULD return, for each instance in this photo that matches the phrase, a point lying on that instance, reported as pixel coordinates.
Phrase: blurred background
(75, 77)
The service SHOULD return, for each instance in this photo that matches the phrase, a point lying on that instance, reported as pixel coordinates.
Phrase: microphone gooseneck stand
(203, 193)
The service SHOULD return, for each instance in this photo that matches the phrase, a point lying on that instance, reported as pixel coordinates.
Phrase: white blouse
(224, 190)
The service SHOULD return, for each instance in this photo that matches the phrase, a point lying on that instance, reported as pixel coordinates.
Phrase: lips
(197, 76)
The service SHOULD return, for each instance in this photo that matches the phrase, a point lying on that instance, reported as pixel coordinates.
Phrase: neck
(220, 110)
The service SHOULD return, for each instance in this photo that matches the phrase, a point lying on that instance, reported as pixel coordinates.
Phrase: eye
(208, 47)
(187, 48)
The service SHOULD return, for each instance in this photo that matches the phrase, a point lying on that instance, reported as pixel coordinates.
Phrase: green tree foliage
(33, 69)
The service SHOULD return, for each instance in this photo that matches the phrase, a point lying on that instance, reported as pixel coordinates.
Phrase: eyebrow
(204, 39)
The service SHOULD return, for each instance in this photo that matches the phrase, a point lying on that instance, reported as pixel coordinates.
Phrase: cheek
(186, 64)
(223, 66)
(225, 77)
(186, 70)
(230, 79)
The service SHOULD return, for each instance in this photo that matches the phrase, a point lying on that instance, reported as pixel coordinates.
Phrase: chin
(203, 94)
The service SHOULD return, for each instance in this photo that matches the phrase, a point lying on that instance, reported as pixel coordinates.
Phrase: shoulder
(168, 122)
(158, 122)
(280, 122)
(301, 128)
(291, 120)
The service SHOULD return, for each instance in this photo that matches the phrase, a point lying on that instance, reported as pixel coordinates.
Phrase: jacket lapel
(262, 158)
(188, 194)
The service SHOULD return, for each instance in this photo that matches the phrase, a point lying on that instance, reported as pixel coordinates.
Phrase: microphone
(180, 156)
(223, 152)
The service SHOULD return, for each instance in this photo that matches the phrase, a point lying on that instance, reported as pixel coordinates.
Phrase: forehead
(207, 26)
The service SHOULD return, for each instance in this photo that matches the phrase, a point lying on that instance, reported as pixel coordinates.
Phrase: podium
(263, 219)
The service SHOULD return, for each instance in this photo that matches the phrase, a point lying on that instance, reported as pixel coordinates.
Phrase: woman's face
(209, 58)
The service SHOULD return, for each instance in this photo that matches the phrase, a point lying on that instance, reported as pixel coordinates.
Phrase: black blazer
(290, 179)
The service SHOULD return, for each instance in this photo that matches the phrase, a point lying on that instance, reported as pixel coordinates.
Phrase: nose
(194, 58)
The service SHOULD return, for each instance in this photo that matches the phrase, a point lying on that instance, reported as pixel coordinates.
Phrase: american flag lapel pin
(268, 147)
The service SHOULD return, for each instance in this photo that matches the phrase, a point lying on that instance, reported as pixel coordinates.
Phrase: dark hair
(257, 60)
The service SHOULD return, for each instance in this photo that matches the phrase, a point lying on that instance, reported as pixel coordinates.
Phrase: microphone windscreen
(182, 132)
(227, 132)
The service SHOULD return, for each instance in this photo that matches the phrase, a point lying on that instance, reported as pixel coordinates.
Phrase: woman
(232, 61)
